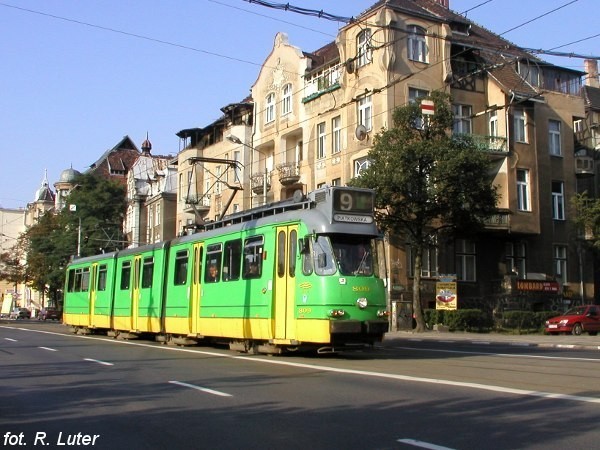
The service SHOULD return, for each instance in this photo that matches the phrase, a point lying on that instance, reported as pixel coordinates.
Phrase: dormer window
(364, 54)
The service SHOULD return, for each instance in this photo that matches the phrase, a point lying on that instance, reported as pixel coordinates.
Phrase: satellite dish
(298, 196)
(349, 65)
(360, 132)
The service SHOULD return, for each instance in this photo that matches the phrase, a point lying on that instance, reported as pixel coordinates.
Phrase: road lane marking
(485, 387)
(423, 444)
(507, 355)
(10, 339)
(104, 363)
(200, 388)
(49, 349)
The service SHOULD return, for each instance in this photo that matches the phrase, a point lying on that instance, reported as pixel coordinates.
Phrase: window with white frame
(363, 48)
(361, 164)
(321, 140)
(365, 112)
(336, 134)
(417, 45)
(560, 262)
(558, 200)
(429, 262)
(520, 125)
(286, 102)
(238, 169)
(414, 95)
(218, 181)
(465, 260)
(270, 108)
(516, 258)
(493, 123)
(462, 119)
(554, 137)
(523, 201)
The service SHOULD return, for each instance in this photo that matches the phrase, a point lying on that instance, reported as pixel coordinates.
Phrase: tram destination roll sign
(354, 206)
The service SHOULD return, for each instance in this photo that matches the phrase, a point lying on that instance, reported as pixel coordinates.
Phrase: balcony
(289, 173)
(496, 145)
(258, 181)
(500, 221)
(194, 204)
(584, 165)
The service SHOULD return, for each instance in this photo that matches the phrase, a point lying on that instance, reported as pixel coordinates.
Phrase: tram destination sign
(353, 201)
(352, 218)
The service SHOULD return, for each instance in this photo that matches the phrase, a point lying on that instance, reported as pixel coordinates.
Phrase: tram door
(286, 253)
(92, 292)
(135, 291)
(194, 297)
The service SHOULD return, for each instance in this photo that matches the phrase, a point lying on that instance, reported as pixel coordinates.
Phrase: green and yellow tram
(303, 273)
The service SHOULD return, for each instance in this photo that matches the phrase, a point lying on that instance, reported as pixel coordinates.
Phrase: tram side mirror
(303, 246)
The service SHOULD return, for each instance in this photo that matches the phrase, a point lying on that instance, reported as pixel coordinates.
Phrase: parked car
(20, 313)
(575, 321)
(50, 314)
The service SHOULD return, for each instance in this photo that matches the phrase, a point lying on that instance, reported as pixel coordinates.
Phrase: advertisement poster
(446, 296)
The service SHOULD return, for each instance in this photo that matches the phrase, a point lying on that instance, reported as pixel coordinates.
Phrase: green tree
(92, 226)
(587, 218)
(94, 215)
(12, 265)
(428, 182)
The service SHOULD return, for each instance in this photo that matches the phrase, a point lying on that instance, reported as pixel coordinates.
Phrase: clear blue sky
(76, 76)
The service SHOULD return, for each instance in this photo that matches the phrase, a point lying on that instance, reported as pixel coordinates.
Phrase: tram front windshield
(348, 254)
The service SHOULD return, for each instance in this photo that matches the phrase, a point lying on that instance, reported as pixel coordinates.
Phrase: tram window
(85, 280)
(147, 272)
(293, 252)
(71, 281)
(125, 275)
(323, 256)
(102, 276)
(281, 254)
(307, 262)
(181, 267)
(212, 263)
(232, 260)
(253, 254)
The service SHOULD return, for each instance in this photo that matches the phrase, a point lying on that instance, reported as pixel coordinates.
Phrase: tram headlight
(383, 313)
(362, 303)
(337, 313)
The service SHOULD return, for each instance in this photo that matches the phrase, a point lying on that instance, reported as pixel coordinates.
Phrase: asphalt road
(414, 391)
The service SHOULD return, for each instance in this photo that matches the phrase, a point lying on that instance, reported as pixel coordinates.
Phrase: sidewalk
(524, 340)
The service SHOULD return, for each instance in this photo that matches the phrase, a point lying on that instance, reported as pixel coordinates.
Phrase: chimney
(444, 3)
(590, 66)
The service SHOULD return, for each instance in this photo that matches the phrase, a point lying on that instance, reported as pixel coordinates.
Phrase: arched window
(417, 45)
(364, 54)
(286, 102)
(270, 108)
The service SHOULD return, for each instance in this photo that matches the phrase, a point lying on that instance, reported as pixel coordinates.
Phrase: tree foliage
(92, 226)
(428, 182)
(587, 218)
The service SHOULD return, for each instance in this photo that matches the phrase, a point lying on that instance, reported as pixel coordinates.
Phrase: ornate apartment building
(312, 117)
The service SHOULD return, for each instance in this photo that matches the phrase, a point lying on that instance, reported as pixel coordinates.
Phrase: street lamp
(237, 140)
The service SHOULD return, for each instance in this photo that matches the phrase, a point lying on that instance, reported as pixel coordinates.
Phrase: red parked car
(577, 320)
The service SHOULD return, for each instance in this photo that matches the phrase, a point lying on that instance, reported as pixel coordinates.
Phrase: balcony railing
(289, 173)
(195, 203)
(491, 144)
(258, 182)
(500, 221)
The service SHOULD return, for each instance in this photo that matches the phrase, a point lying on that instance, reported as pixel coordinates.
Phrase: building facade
(315, 115)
